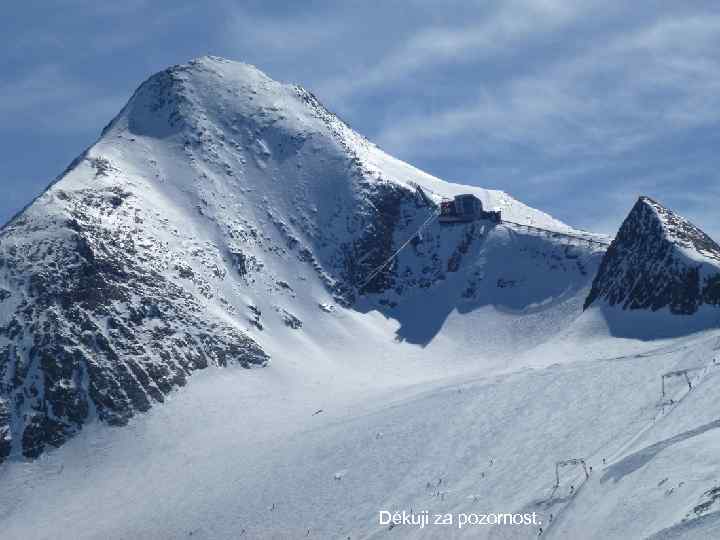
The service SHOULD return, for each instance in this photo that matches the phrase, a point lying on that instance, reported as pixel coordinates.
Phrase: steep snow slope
(223, 218)
(461, 445)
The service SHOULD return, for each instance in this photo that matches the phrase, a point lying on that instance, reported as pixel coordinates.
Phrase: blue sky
(573, 107)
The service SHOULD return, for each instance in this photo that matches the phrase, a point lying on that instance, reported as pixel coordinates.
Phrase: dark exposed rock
(462, 249)
(5, 435)
(289, 319)
(255, 317)
(378, 221)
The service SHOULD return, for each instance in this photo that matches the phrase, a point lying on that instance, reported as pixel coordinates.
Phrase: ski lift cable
(436, 213)
(379, 269)
(375, 272)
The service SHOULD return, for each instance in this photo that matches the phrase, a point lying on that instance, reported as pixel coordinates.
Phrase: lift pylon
(565, 463)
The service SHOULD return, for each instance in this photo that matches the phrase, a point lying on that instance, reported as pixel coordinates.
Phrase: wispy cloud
(491, 35)
(603, 101)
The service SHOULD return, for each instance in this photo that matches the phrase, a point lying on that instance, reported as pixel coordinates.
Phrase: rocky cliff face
(94, 324)
(658, 260)
(215, 213)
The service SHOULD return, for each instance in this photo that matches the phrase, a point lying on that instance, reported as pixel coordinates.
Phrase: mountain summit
(658, 260)
(224, 218)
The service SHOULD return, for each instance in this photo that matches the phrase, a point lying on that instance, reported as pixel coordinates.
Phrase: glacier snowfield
(248, 451)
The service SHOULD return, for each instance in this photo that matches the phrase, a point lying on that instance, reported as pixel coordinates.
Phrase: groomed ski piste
(274, 456)
(457, 395)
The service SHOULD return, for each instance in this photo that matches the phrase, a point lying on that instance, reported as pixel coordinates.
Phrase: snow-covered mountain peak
(190, 96)
(225, 218)
(216, 106)
(658, 260)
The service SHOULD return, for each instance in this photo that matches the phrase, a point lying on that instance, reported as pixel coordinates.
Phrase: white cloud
(510, 25)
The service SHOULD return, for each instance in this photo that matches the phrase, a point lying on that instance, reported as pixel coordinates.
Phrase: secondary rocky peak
(658, 259)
